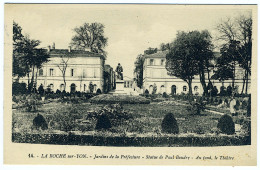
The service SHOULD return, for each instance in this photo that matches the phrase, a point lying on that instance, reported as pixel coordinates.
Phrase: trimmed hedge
(169, 124)
(71, 139)
(226, 125)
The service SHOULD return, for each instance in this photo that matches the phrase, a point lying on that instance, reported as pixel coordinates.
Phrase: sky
(130, 29)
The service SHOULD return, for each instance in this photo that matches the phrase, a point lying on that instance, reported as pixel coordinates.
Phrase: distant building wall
(155, 73)
(81, 70)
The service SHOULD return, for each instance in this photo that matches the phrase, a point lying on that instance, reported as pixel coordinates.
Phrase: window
(184, 88)
(72, 72)
(51, 72)
(196, 88)
(162, 62)
(41, 72)
(124, 84)
(151, 62)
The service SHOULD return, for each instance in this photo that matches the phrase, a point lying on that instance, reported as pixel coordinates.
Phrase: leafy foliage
(139, 63)
(169, 124)
(237, 48)
(226, 125)
(39, 122)
(90, 36)
(26, 57)
(103, 122)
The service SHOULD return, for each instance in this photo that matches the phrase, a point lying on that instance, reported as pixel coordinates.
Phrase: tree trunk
(234, 75)
(32, 80)
(28, 80)
(64, 81)
(190, 87)
(202, 81)
(36, 77)
(246, 82)
(244, 78)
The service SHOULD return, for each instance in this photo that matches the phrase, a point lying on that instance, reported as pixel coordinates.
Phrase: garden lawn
(146, 119)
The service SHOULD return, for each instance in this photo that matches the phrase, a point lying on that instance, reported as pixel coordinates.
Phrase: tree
(150, 51)
(181, 61)
(90, 36)
(63, 67)
(245, 52)
(33, 57)
(139, 64)
(224, 67)
(164, 47)
(236, 35)
(19, 69)
(201, 47)
(27, 59)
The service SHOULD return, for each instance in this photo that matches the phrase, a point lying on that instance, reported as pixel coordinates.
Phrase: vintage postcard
(130, 84)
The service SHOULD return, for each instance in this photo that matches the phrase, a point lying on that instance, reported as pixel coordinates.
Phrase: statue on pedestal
(119, 71)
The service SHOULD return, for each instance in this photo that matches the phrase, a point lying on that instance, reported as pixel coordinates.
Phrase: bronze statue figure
(119, 71)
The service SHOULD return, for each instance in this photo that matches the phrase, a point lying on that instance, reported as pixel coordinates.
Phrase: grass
(146, 119)
(124, 99)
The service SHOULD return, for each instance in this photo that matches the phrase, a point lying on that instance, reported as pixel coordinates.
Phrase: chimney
(53, 46)
(87, 49)
(49, 48)
(69, 49)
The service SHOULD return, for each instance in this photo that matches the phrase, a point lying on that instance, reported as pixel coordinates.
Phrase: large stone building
(109, 78)
(155, 74)
(83, 68)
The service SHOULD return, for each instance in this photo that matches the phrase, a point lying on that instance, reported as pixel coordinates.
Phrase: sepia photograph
(118, 77)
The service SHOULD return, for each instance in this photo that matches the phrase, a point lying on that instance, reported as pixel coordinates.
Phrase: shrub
(39, 122)
(226, 101)
(220, 101)
(169, 124)
(98, 91)
(226, 125)
(91, 87)
(244, 104)
(103, 122)
(196, 107)
(237, 105)
(146, 93)
(31, 103)
(58, 91)
(229, 91)
(164, 95)
(114, 112)
(154, 88)
(41, 90)
(222, 91)
(249, 107)
(19, 88)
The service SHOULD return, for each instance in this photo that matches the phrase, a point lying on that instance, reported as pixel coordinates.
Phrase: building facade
(79, 68)
(109, 78)
(155, 74)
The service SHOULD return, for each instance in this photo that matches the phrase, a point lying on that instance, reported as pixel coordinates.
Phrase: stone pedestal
(119, 85)
(119, 88)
